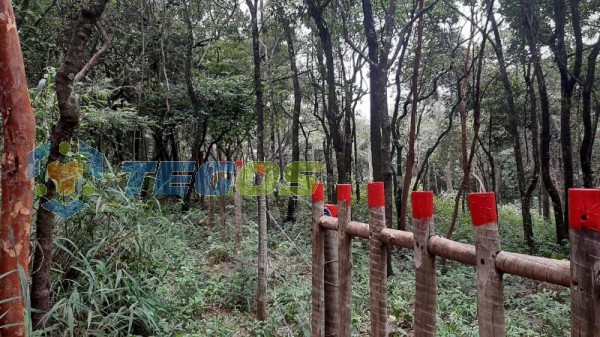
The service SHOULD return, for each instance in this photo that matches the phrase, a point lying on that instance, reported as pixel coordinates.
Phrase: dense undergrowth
(131, 268)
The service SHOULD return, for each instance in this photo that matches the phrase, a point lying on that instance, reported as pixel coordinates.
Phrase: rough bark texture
(18, 124)
(377, 272)
(425, 296)
(67, 123)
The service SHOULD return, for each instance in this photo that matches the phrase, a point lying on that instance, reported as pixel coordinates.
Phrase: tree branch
(86, 69)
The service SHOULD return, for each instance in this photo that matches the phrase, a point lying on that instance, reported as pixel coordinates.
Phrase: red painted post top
(333, 209)
(483, 208)
(344, 193)
(318, 193)
(422, 204)
(376, 194)
(584, 209)
(239, 163)
(260, 168)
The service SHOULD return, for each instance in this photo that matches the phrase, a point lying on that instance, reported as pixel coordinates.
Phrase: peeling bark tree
(18, 124)
(62, 132)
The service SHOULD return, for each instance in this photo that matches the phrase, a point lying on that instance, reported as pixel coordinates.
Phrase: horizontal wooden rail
(531, 267)
(486, 255)
(536, 268)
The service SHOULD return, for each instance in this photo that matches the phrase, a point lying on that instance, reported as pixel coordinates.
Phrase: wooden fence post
(318, 309)
(584, 221)
(377, 260)
(237, 205)
(344, 196)
(490, 292)
(332, 319)
(425, 296)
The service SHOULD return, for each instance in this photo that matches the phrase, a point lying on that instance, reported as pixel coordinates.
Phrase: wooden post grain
(332, 319)
(584, 223)
(344, 196)
(425, 296)
(318, 305)
(490, 292)
(377, 260)
(237, 205)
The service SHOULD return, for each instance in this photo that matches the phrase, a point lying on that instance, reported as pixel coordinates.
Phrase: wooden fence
(331, 313)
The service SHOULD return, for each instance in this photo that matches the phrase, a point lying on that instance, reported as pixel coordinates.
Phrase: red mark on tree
(422, 204)
(584, 209)
(483, 208)
(318, 193)
(344, 193)
(376, 194)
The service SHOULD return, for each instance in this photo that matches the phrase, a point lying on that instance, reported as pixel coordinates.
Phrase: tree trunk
(332, 110)
(261, 292)
(18, 122)
(567, 84)
(513, 128)
(587, 143)
(67, 124)
(410, 160)
(531, 31)
(289, 36)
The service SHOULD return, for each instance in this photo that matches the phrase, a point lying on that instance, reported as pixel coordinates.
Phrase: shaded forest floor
(148, 271)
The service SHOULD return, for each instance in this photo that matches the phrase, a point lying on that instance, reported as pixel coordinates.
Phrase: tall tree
(526, 185)
(567, 85)
(332, 111)
(261, 292)
(18, 124)
(64, 130)
(291, 48)
(410, 159)
(590, 124)
(383, 50)
(531, 28)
